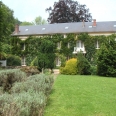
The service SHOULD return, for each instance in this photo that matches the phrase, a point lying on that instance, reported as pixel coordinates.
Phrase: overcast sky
(28, 10)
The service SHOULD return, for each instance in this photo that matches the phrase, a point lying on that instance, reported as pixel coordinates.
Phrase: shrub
(34, 62)
(30, 70)
(27, 98)
(70, 67)
(83, 65)
(106, 63)
(8, 77)
(13, 60)
(93, 70)
(37, 83)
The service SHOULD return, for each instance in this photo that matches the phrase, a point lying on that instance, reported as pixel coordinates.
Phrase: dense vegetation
(34, 45)
(65, 11)
(22, 96)
(106, 65)
(7, 22)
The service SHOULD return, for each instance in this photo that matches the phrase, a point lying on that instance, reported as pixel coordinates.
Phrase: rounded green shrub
(70, 67)
(13, 60)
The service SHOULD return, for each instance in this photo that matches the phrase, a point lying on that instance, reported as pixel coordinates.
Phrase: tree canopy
(37, 21)
(24, 23)
(7, 22)
(65, 11)
(106, 63)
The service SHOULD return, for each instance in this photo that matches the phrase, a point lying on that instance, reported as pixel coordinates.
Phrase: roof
(64, 28)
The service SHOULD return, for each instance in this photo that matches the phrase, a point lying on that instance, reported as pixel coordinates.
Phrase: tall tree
(106, 63)
(68, 11)
(7, 22)
(39, 21)
(46, 55)
(17, 21)
(24, 23)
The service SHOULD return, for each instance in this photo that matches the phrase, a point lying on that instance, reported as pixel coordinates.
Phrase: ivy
(32, 45)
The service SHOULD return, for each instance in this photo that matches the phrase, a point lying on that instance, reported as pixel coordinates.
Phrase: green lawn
(82, 96)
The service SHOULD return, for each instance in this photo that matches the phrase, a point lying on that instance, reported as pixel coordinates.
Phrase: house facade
(92, 28)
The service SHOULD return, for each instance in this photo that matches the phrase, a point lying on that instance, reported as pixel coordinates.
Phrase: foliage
(39, 21)
(93, 70)
(6, 25)
(82, 95)
(28, 96)
(33, 48)
(68, 11)
(17, 21)
(2, 56)
(6, 48)
(9, 77)
(46, 55)
(24, 23)
(13, 60)
(30, 70)
(34, 62)
(106, 65)
(83, 65)
(6, 22)
(70, 67)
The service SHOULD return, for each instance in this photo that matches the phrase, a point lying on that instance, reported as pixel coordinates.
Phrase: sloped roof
(64, 28)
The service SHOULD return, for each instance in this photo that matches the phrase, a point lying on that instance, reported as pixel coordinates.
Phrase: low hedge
(9, 77)
(28, 96)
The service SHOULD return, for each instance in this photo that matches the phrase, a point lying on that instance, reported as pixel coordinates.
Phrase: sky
(28, 10)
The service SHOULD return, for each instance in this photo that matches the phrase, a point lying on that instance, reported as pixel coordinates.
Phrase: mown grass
(82, 96)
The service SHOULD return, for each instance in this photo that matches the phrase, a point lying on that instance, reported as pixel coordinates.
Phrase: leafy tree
(46, 55)
(68, 11)
(17, 21)
(107, 59)
(7, 22)
(39, 21)
(24, 23)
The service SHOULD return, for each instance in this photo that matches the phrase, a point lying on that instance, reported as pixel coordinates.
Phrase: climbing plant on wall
(32, 45)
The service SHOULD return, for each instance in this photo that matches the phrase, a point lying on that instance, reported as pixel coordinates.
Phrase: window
(23, 61)
(79, 47)
(64, 36)
(58, 61)
(23, 46)
(79, 44)
(97, 45)
(68, 45)
(58, 45)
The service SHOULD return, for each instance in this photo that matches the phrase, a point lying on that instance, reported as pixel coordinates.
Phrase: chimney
(94, 22)
(16, 28)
